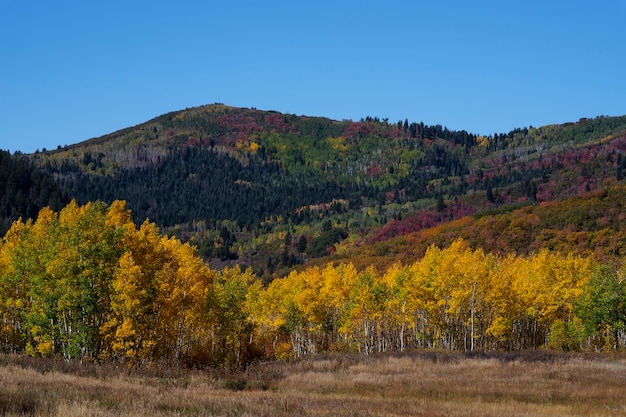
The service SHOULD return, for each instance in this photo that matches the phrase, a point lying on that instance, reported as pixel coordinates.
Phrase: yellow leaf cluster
(88, 282)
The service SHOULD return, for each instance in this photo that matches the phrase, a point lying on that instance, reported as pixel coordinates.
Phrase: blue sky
(73, 70)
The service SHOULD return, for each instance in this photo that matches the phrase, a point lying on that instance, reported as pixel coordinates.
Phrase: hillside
(24, 190)
(274, 190)
(590, 224)
(364, 237)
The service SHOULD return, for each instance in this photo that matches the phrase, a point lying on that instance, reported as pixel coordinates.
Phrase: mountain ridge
(273, 190)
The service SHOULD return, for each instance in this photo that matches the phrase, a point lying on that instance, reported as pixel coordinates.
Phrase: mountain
(273, 190)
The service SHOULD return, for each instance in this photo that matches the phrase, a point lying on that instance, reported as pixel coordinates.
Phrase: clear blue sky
(72, 70)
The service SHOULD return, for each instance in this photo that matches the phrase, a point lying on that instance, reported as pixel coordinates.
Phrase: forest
(87, 283)
(219, 236)
(236, 182)
(24, 190)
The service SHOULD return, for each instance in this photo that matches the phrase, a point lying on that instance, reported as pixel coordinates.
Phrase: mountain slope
(24, 190)
(590, 224)
(273, 190)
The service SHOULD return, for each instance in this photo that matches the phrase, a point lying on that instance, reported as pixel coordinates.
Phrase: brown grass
(420, 384)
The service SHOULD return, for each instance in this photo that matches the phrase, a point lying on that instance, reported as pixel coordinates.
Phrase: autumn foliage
(86, 282)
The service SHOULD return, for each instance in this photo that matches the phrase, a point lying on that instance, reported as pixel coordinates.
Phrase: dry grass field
(419, 384)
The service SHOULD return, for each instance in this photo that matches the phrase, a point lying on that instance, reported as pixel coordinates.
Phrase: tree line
(86, 282)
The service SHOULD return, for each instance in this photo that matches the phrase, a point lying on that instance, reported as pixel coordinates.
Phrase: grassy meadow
(420, 384)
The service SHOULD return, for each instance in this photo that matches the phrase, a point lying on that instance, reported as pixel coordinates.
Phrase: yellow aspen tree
(529, 331)
(366, 311)
(120, 331)
(447, 293)
(288, 312)
(507, 311)
(158, 301)
(400, 304)
(35, 252)
(228, 315)
(183, 285)
(119, 217)
(264, 305)
(132, 329)
(547, 285)
(334, 297)
(272, 314)
(450, 293)
(468, 275)
(308, 302)
(429, 307)
(569, 275)
(264, 335)
(64, 264)
(87, 254)
(13, 292)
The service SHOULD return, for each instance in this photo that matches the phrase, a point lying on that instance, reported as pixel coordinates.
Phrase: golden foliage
(86, 282)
